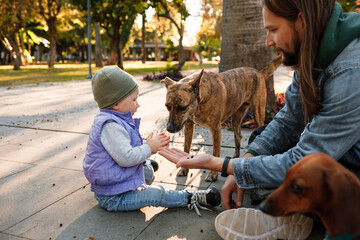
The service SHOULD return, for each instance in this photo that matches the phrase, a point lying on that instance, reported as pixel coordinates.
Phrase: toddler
(115, 161)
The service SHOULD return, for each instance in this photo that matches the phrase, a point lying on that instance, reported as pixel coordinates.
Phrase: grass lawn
(67, 72)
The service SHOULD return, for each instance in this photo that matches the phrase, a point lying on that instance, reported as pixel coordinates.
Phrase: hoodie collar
(343, 236)
(342, 29)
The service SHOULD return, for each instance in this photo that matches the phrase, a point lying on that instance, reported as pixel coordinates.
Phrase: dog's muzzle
(173, 128)
(265, 207)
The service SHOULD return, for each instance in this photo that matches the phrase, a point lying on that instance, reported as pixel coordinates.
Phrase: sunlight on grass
(33, 74)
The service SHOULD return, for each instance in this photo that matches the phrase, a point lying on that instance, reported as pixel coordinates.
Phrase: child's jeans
(156, 196)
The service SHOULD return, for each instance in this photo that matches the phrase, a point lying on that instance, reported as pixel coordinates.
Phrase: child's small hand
(165, 138)
(160, 140)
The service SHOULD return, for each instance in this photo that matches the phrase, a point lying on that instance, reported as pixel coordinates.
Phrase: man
(321, 113)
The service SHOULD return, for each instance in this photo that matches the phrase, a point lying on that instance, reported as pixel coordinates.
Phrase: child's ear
(115, 107)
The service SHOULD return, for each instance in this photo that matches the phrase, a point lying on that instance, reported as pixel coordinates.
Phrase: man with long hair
(321, 113)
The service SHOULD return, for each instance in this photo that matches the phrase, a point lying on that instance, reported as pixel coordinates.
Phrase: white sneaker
(250, 224)
(203, 199)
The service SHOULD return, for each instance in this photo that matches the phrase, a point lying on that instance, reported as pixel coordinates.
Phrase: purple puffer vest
(104, 174)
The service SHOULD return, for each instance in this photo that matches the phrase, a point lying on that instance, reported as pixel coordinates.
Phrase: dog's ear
(195, 82)
(327, 183)
(201, 88)
(167, 81)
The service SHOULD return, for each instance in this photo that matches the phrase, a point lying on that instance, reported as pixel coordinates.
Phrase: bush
(171, 72)
(160, 76)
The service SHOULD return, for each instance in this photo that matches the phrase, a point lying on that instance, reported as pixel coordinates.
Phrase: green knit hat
(110, 85)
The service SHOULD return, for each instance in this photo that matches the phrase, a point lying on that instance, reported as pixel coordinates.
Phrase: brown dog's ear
(327, 183)
(167, 81)
(195, 82)
(201, 88)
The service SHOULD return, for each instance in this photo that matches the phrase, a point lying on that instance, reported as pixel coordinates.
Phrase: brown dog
(209, 98)
(319, 184)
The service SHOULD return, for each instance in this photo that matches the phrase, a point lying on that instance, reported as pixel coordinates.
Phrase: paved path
(43, 191)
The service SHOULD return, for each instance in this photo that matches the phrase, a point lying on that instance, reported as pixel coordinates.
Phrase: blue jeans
(156, 196)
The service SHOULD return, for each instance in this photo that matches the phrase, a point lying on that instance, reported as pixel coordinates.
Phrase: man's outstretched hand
(185, 160)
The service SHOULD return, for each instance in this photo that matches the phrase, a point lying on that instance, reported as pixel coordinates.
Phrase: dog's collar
(343, 236)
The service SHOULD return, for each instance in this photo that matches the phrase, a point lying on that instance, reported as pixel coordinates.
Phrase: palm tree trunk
(243, 40)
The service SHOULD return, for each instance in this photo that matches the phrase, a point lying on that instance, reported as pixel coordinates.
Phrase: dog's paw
(182, 172)
(211, 177)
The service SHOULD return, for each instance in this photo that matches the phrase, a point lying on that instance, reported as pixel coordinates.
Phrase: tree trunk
(52, 33)
(41, 50)
(156, 51)
(82, 52)
(1, 59)
(120, 60)
(15, 53)
(143, 49)
(243, 40)
(115, 45)
(9, 57)
(61, 57)
(112, 58)
(117, 50)
(21, 46)
(181, 47)
(98, 50)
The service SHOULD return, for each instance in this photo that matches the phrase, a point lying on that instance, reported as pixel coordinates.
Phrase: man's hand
(228, 188)
(206, 161)
(231, 186)
(185, 160)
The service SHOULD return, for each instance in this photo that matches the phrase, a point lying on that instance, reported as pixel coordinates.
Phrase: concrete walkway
(43, 191)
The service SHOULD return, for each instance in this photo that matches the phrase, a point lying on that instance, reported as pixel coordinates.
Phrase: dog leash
(343, 236)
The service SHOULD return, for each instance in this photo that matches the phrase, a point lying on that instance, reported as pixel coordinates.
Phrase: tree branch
(167, 15)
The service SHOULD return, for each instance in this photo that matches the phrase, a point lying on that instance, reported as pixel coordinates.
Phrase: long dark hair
(316, 15)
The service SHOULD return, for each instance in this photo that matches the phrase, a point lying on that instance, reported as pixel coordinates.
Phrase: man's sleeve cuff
(241, 173)
(252, 152)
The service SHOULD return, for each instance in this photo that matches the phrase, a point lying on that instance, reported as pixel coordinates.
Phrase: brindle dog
(209, 98)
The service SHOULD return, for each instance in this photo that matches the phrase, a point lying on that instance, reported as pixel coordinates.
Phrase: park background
(47, 108)
(62, 40)
(58, 37)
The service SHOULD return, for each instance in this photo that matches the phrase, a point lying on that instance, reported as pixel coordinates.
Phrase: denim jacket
(335, 130)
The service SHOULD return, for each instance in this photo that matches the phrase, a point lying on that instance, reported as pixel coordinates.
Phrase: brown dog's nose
(265, 207)
(172, 128)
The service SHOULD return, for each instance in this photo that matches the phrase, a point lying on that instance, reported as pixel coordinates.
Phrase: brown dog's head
(181, 100)
(306, 187)
(319, 184)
